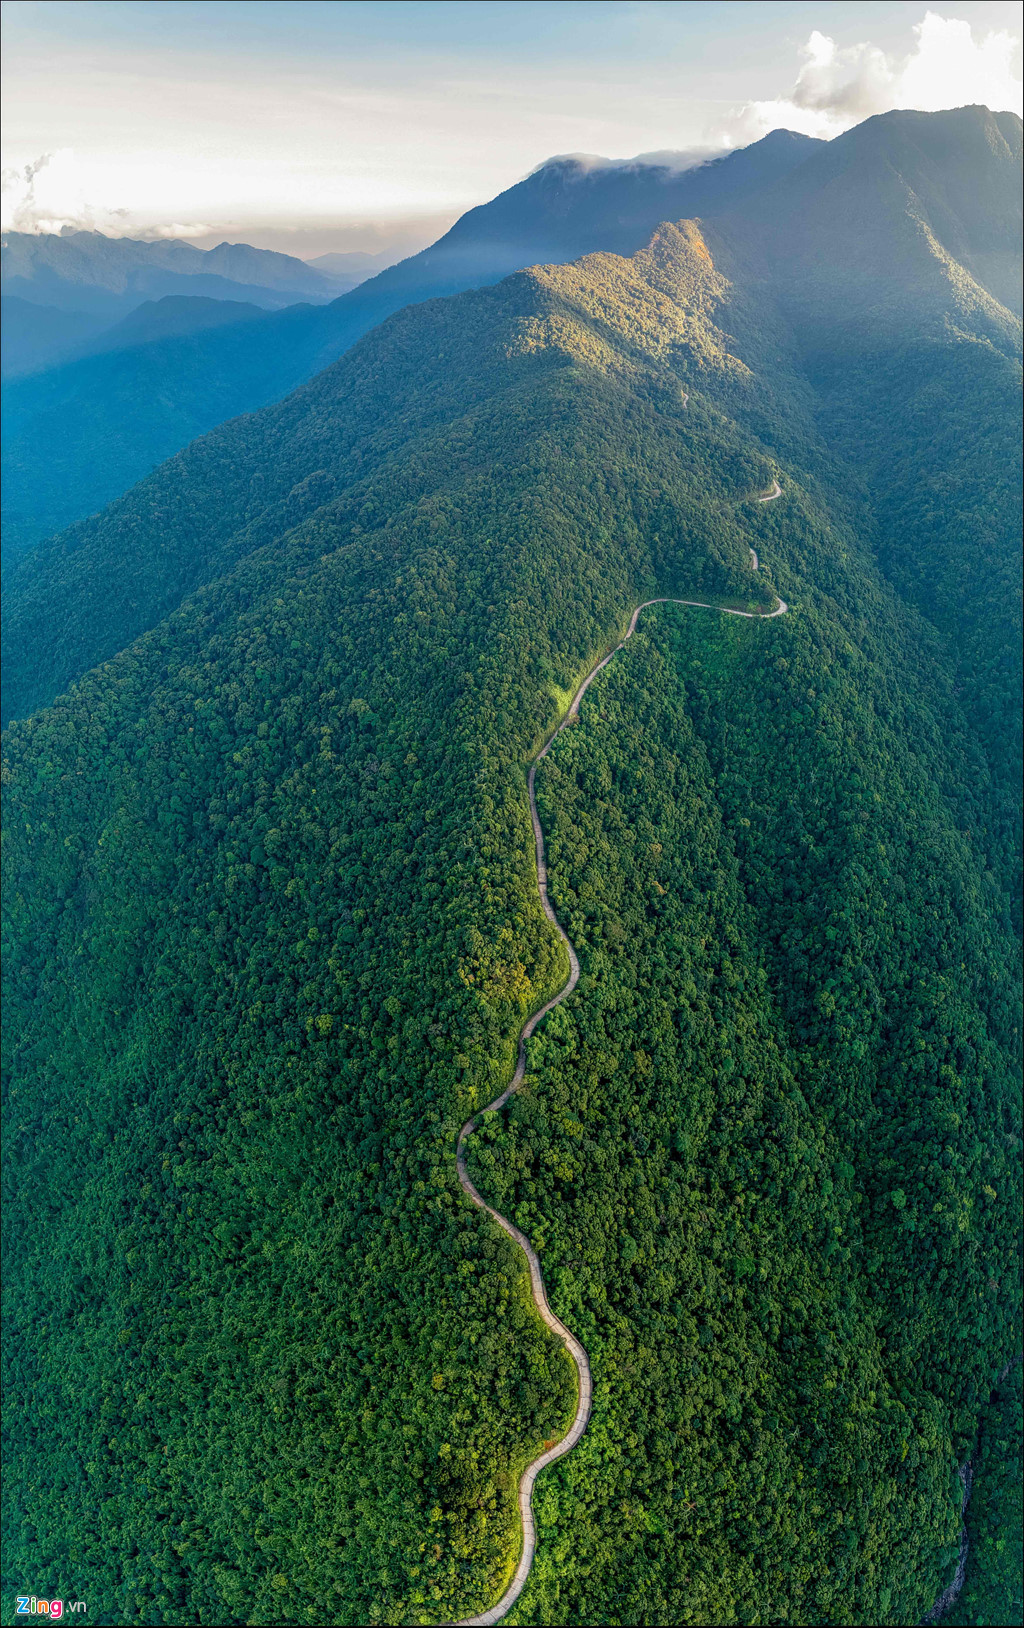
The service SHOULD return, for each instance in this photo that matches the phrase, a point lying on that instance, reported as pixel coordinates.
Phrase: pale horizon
(370, 128)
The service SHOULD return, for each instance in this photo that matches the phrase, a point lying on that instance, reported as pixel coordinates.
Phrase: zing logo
(30, 1605)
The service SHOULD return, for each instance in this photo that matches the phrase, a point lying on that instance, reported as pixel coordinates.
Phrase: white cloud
(838, 87)
(46, 194)
(19, 193)
(177, 228)
(670, 159)
(950, 70)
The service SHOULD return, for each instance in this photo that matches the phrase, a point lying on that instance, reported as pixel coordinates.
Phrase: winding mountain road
(568, 1339)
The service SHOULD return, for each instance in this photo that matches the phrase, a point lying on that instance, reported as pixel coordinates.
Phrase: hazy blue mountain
(107, 414)
(69, 287)
(172, 317)
(349, 268)
(906, 219)
(572, 206)
(86, 271)
(152, 285)
(111, 422)
(266, 268)
(33, 333)
(352, 262)
(37, 336)
(87, 266)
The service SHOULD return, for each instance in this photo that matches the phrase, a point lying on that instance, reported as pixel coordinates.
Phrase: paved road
(569, 1340)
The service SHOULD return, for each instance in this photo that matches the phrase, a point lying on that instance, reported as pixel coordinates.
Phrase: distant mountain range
(34, 334)
(107, 276)
(65, 295)
(351, 266)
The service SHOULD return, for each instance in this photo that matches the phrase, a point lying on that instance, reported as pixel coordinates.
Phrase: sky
(338, 125)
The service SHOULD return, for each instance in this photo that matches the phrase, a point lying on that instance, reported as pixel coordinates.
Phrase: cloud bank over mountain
(837, 88)
(676, 162)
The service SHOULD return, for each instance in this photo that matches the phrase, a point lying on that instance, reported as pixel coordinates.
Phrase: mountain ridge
(208, 383)
(880, 294)
(890, 186)
(102, 271)
(545, 328)
(216, 379)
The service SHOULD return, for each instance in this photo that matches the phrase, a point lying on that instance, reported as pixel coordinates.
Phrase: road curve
(568, 1339)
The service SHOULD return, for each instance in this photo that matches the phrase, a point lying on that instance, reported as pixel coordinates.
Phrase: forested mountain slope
(273, 927)
(77, 435)
(909, 222)
(381, 421)
(888, 253)
(170, 317)
(81, 434)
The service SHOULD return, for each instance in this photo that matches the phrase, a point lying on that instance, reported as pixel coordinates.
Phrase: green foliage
(945, 496)
(273, 928)
(992, 1591)
(284, 842)
(766, 1144)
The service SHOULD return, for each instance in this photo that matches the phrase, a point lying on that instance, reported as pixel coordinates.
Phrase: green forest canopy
(273, 927)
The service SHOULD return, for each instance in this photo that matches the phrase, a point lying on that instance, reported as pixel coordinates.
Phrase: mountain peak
(909, 220)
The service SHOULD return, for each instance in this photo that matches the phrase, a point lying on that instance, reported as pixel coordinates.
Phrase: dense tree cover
(992, 1593)
(945, 496)
(772, 1140)
(273, 928)
(280, 847)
